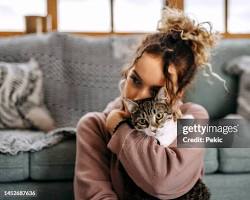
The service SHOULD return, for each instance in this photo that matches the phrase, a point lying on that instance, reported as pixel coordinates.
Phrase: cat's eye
(159, 116)
(142, 121)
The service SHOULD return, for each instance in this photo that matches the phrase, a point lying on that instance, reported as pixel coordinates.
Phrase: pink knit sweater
(163, 172)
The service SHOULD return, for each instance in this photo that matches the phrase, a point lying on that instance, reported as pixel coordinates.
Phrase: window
(102, 17)
(84, 15)
(136, 15)
(212, 10)
(239, 16)
(95, 15)
(230, 17)
(12, 13)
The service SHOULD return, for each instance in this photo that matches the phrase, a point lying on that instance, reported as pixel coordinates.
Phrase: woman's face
(146, 77)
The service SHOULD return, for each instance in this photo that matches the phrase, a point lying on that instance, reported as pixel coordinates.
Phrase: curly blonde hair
(201, 39)
(179, 41)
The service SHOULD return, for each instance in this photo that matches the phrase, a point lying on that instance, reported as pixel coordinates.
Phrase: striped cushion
(21, 97)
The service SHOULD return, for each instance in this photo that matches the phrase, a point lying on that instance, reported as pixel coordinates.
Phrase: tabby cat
(149, 115)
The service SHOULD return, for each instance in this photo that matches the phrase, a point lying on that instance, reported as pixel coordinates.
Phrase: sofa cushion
(228, 186)
(47, 49)
(211, 160)
(91, 74)
(85, 75)
(14, 168)
(22, 97)
(241, 66)
(235, 160)
(54, 163)
(214, 97)
(43, 190)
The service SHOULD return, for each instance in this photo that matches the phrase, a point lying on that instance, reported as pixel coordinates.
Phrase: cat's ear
(161, 95)
(131, 105)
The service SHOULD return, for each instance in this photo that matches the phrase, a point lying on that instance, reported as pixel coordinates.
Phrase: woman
(113, 159)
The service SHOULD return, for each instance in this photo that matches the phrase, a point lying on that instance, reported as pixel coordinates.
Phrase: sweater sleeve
(164, 172)
(92, 174)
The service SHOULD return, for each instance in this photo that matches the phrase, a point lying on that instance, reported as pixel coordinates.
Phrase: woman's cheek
(129, 91)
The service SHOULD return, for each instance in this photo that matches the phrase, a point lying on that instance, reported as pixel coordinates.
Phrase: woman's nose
(143, 94)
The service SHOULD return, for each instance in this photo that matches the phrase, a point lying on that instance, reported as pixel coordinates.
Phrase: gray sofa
(81, 75)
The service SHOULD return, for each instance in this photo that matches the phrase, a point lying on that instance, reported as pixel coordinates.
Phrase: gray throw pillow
(21, 97)
(241, 66)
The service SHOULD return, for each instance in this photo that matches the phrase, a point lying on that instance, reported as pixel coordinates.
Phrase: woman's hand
(114, 117)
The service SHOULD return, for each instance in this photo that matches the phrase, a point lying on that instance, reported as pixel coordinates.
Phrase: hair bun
(175, 23)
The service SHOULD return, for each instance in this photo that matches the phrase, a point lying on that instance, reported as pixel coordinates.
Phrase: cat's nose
(153, 130)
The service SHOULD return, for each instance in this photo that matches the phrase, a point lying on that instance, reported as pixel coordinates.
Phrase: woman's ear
(180, 94)
(171, 69)
(121, 85)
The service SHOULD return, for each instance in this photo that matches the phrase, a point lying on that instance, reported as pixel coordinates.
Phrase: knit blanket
(16, 140)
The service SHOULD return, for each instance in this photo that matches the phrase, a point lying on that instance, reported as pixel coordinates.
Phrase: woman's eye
(135, 80)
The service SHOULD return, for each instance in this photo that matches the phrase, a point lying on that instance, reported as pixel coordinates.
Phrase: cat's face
(148, 115)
